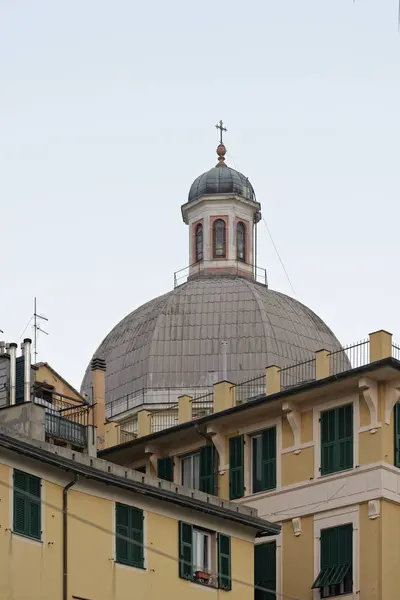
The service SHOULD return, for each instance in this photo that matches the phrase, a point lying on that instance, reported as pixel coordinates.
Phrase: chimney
(224, 361)
(26, 351)
(13, 371)
(98, 368)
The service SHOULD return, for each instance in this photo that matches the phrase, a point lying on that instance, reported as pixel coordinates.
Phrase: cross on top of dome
(221, 150)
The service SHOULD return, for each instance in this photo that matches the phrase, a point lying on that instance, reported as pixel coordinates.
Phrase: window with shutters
(265, 571)
(197, 470)
(336, 569)
(337, 439)
(27, 505)
(204, 556)
(129, 536)
(264, 460)
(397, 435)
(165, 468)
(236, 467)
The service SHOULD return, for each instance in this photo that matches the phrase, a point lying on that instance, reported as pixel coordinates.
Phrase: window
(265, 571)
(264, 460)
(397, 435)
(219, 239)
(27, 505)
(199, 242)
(197, 470)
(129, 535)
(236, 467)
(241, 241)
(165, 468)
(337, 439)
(197, 548)
(19, 379)
(336, 572)
(190, 468)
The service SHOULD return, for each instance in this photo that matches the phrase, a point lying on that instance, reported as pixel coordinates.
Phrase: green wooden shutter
(397, 435)
(165, 468)
(265, 571)
(269, 458)
(185, 550)
(224, 562)
(27, 504)
(337, 439)
(122, 533)
(236, 467)
(136, 534)
(207, 480)
(19, 379)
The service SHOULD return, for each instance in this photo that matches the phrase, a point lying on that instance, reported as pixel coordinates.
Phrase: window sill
(27, 537)
(334, 473)
(129, 566)
(206, 586)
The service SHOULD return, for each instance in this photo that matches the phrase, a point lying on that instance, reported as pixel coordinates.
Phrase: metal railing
(164, 418)
(65, 418)
(127, 436)
(197, 269)
(297, 374)
(203, 405)
(396, 351)
(162, 396)
(251, 389)
(349, 357)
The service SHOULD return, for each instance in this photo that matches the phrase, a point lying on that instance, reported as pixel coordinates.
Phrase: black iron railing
(251, 389)
(196, 269)
(297, 374)
(65, 418)
(164, 418)
(349, 357)
(203, 405)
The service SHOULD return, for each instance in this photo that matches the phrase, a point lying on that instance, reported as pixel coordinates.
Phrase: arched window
(241, 241)
(219, 239)
(199, 242)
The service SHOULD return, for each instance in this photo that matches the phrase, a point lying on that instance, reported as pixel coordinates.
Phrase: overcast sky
(107, 114)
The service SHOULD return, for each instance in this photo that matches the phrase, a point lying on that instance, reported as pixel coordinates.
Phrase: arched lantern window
(241, 241)
(219, 239)
(199, 242)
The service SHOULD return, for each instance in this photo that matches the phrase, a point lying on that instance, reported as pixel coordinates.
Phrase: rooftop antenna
(37, 327)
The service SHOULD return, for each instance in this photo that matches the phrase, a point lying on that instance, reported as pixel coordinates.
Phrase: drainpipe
(65, 536)
(215, 460)
(13, 371)
(224, 360)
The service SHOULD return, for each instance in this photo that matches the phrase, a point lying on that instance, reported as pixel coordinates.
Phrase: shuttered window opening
(397, 435)
(196, 556)
(197, 470)
(27, 505)
(265, 571)
(236, 467)
(337, 439)
(19, 379)
(336, 571)
(165, 468)
(264, 460)
(129, 535)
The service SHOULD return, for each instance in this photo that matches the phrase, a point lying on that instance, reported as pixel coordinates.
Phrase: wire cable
(279, 257)
(26, 327)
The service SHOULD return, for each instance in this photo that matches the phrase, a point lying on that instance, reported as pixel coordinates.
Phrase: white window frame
(279, 573)
(191, 457)
(200, 536)
(335, 518)
(248, 433)
(317, 411)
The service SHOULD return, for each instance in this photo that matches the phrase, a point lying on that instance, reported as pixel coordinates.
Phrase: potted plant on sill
(202, 576)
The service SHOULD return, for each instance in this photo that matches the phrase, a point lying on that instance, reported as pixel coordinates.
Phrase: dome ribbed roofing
(174, 341)
(221, 180)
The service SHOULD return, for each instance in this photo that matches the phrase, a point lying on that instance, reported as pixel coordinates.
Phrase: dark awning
(331, 576)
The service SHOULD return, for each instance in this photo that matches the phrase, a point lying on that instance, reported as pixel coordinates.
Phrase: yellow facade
(308, 503)
(33, 570)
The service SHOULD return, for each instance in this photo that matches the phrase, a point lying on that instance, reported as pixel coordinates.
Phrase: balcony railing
(65, 418)
(251, 389)
(297, 374)
(349, 357)
(197, 269)
(203, 405)
(164, 418)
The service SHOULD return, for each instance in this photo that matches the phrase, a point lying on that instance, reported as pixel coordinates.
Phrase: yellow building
(75, 527)
(317, 453)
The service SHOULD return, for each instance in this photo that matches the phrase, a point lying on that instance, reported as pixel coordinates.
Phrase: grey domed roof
(221, 180)
(174, 341)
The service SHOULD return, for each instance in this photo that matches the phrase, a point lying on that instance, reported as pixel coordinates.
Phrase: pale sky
(107, 114)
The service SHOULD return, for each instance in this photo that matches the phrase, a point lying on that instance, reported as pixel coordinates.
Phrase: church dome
(223, 180)
(174, 341)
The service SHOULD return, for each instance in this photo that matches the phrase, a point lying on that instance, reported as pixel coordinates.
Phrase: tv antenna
(36, 327)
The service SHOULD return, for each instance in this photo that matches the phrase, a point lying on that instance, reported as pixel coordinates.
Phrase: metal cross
(221, 129)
